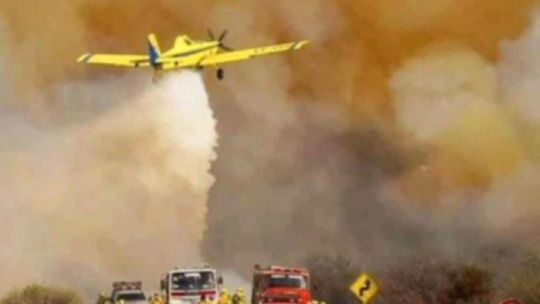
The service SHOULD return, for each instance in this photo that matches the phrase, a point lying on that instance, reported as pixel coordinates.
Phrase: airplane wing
(228, 57)
(116, 60)
(241, 55)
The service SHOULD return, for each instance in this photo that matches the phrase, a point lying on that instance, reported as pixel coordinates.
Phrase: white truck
(128, 293)
(191, 285)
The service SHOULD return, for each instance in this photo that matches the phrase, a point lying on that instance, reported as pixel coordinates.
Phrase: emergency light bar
(287, 269)
(123, 285)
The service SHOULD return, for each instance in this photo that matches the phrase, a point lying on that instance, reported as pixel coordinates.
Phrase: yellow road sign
(364, 288)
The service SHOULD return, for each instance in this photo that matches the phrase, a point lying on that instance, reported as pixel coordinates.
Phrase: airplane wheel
(220, 74)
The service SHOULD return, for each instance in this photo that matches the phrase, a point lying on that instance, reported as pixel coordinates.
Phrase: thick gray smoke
(119, 195)
(296, 180)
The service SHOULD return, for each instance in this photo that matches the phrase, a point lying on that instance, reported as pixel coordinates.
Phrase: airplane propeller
(223, 35)
(220, 40)
(211, 35)
(220, 72)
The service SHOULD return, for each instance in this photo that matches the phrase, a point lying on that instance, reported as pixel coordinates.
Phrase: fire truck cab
(191, 285)
(278, 284)
(128, 292)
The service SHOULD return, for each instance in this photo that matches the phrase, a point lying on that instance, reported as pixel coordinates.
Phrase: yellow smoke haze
(361, 41)
(447, 97)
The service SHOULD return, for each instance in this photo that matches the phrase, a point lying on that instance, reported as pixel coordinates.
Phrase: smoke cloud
(120, 196)
(412, 157)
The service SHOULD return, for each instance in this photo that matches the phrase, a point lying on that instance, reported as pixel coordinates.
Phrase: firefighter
(205, 299)
(102, 299)
(239, 297)
(157, 299)
(224, 296)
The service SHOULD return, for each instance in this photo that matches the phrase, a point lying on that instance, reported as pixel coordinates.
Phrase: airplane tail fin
(153, 49)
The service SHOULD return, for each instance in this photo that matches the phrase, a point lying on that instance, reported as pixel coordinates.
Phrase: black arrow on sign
(365, 288)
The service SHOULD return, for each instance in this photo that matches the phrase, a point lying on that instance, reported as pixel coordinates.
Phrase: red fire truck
(278, 284)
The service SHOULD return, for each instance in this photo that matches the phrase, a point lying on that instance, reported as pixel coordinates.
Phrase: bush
(332, 277)
(37, 294)
(523, 282)
(436, 282)
(469, 284)
(422, 281)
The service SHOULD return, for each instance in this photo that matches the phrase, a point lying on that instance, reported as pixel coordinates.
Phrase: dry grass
(422, 281)
(38, 294)
(438, 282)
(332, 276)
(523, 282)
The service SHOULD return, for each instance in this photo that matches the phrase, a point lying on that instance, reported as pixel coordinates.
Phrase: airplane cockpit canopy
(183, 41)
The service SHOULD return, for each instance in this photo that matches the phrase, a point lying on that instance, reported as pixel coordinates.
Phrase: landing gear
(220, 74)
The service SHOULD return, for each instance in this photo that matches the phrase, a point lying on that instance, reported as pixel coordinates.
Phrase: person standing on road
(157, 299)
(102, 299)
(224, 297)
(239, 297)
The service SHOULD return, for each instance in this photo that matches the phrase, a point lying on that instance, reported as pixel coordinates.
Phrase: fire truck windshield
(193, 280)
(287, 281)
(131, 297)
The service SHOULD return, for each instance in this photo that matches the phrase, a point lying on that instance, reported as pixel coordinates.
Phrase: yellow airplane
(188, 54)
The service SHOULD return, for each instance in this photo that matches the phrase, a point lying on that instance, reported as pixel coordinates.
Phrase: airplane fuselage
(187, 55)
